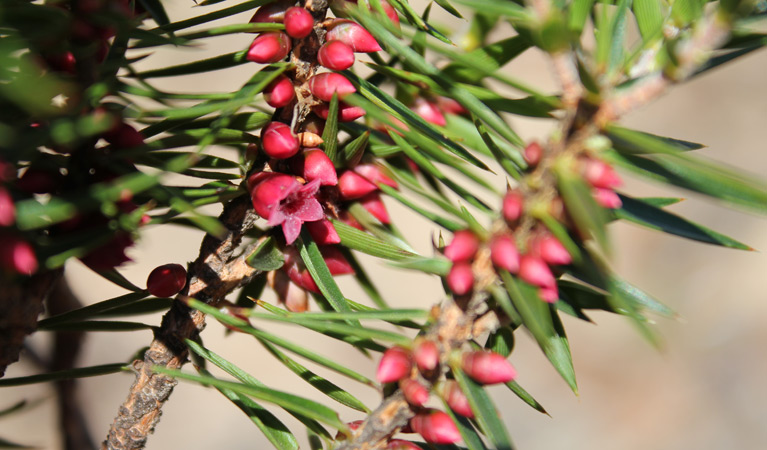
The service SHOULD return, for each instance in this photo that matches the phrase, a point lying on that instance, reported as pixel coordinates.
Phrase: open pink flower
(282, 200)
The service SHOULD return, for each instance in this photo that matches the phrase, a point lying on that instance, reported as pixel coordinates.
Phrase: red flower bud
(351, 185)
(298, 22)
(375, 206)
(504, 253)
(607, 198)
(435, 427)
(374, 173)
(549, 294)
(395, 364)
(335, 55)
(324, 85)
(533, 270)
(109, 255)
(512, 206)
(414, 392)
(335, 260)
(278, 140)
(317, 166)
(7, 208)
(460, 279)
(401, 444)
(62, 62)
(533, 153)
(323, 232)
(426, 355)
(17, 255)
(552, 251)
(456, 399)
(280, 92)
(450, 106)
(289, 293)
(124, 136)
(166, 280)
(346, 113)
(600, 174)
(353, 35)
(487, 367)
(463, 247)
(269, 47)
(429, 112)
(271, 13)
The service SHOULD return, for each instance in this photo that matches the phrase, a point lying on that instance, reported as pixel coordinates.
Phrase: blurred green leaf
(156, 10)
(649, 17)
(97, 325)
(81, 372)
(589, 217)
(330, 133)
(267, 256)
(359, 240)
(496, 54)
(320, 273)
(204, 65)
(215, 15)
(469, 434)
(525, 396)
(93, 310)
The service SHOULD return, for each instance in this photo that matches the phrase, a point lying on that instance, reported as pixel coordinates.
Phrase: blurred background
(704, 389)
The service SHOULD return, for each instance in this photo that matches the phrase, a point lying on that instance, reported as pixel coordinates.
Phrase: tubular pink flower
(324, 85)
(456, 399)
(429, 112)
(414, 392)
(352, 34)
(323, 232)
(376, 207)
(426, 355)
(460, 279)
(504, 253)
(487, 367)
(280, 92)
(7, 208)
(335, 55)
(166, 280)
(269, 47)
(278, 141)
(535, 271)
(395, 364)
(284, 201)
(17, 255)
(435, 427)
(463, 247)
(512, 206)
(298, 22)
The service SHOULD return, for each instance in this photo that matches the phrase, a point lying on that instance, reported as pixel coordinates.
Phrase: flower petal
(291, 228)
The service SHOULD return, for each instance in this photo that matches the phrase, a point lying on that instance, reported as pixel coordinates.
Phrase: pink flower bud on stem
(426, 355)
(435, 427)
(607, 198)
(376, 207)
(315, 165)
(335, 55)
(166, 280)
(504, 253)
(17, 255)
(511, 209)
(280, 92)
(486, 367)
(600, 174)
(414, 392)
(395, 364)
(352, 186)
(269, 47)
(289, 293)
(549, 294)
(401, 444)
(324, 85)
(374, 173)
(460, 279)
(552, 251)
(353, 35)
(535, 271)
(346, 113)
(533, 153)
(7, 208)
(456, 399)
(323, 232)
(278, 140)
(271, 13)
(298, 22)
(463, 247)
(429, 112)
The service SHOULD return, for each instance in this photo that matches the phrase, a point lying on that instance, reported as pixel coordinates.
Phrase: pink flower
(284, 201)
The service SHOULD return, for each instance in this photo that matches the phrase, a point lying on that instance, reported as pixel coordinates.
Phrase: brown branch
(217, 271)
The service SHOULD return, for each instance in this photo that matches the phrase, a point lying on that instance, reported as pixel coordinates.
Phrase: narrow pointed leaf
(589, 217)
(470, 435)
(97, 325)
(484, 410)
(319, 271)
(266, 257)
(359, 240)
(525, 396)
(93, 310)
(81, 372)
